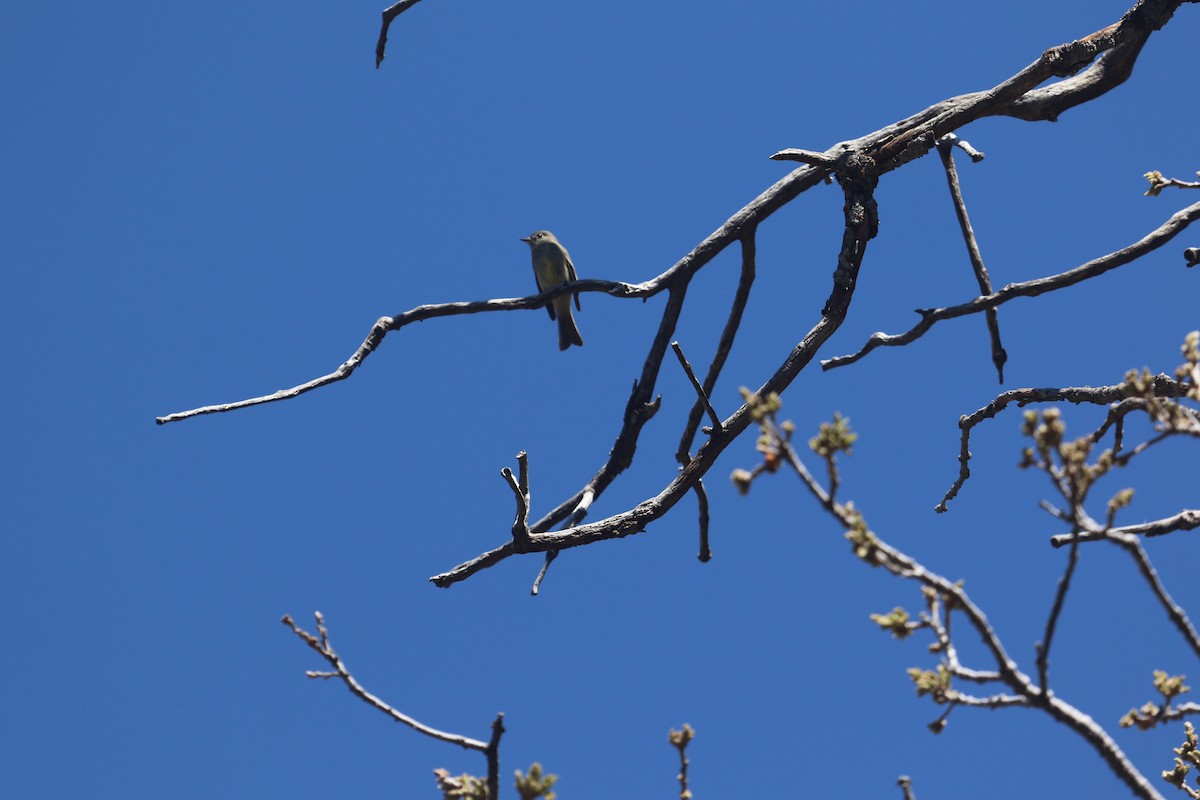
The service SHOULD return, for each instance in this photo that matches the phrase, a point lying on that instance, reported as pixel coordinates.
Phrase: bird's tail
(568, 334)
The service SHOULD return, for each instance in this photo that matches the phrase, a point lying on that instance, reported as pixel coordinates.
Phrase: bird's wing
(538, 283)
(550, 305)
(571, 276)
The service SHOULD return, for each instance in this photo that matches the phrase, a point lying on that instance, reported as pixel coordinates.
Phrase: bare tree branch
(1186, 520)
(1175, 612)
(929, 316)
(321, 645)
(385, 325)
(520, 488)
(702, 395)
(705, 553)
(861, 225)
(1162, 386)
(390, 14)
(724, 344)
(492, 753)
(1158, 182)
(857, 165)
(946, 153)
(1086, 68)
(991, 701)
(1042, 648)
(680, 739)
(541, 576)
(1183, 710)
(1082, 724)
(874, 551)
(888, 148)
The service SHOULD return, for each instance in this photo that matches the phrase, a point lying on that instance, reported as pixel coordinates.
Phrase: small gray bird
(552, 267)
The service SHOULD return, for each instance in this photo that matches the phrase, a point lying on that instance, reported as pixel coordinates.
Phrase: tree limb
(390, 14)
(929, 316)
(1162, 386)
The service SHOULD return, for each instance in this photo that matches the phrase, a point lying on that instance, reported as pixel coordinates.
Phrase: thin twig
(724, 344)
(520, 488)
(537, 582)
(991, 701)
(1115, 419)
(810, 483)
(1174, 611)
(946, 152)
(680, 739)
(1060, 596)
(492, 753)
(325, 650)
(953, 140)
(1186, 520)
(687, 368)
(835, 479)
(1054, 511)
(809, 157)
(1158, 182)
(705, 554)
(974, 675)
(1142, 447)
(941, 632)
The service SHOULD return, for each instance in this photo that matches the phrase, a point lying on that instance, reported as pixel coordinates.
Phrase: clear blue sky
(204, 203)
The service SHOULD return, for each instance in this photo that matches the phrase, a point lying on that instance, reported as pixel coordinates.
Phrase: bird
(552, 267)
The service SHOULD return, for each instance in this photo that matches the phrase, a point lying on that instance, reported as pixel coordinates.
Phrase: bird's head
(537, 237)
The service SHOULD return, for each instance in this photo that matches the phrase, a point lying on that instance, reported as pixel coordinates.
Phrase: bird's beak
(526, 239)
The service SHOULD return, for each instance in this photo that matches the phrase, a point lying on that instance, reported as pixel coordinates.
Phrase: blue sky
(205, 206)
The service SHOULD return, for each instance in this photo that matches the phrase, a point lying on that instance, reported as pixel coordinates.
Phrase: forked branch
(871, 549)
(1051, 283)
(1161, 385)
(319, 642)
(1084, 69)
